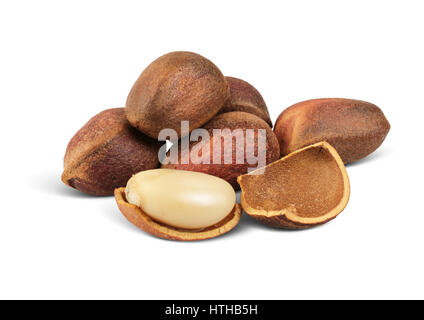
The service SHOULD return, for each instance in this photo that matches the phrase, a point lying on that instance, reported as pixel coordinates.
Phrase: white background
(63, 62)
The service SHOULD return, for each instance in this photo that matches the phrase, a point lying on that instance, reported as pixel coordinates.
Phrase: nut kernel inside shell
(181, 199)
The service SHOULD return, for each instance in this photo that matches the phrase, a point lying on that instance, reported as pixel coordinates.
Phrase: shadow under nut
(355, 128)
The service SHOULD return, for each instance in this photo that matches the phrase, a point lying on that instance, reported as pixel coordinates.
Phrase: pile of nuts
(187, 192)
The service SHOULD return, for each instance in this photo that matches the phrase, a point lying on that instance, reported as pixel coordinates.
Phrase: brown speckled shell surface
(178, 86)
(306, 188)
(355, 128)
(244, 97)
(106, 152)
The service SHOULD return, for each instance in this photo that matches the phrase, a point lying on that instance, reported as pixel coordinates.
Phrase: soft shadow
(111, 211)
(248, 223)
(376, 155)
(49, 182)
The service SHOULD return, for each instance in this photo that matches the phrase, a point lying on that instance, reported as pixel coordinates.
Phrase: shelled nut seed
(179, 205)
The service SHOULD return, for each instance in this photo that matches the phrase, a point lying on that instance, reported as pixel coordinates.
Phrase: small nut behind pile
(179, 205)
(245, 97)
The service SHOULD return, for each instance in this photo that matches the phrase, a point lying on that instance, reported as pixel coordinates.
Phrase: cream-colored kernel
(182, 199)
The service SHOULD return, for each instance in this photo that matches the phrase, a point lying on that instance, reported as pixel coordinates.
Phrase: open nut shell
(139, 218)
(306, 188)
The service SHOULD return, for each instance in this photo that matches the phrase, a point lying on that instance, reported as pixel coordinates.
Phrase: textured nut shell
(136, 216)
(314, 177)
(230, 172)
(106, 152)
(177, 86)
(355, 128)
(244, 97)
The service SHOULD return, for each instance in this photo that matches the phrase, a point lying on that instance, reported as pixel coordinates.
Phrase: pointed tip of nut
(65, 179)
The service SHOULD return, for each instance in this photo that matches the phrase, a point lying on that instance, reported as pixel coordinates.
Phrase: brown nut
(179, 205)
(355, 128)
(106, 152)
(244, 97)
(306, 188)
(234, 126)
(178, 86)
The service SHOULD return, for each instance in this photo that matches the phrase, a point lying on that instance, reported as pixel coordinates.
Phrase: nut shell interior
(306, 188)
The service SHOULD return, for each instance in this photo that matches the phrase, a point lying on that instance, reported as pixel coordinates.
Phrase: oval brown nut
(231, 170)
(106, 152)
(178, 86)
(179, 205)
(306, 188)
(244, 97)
(355, 128)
